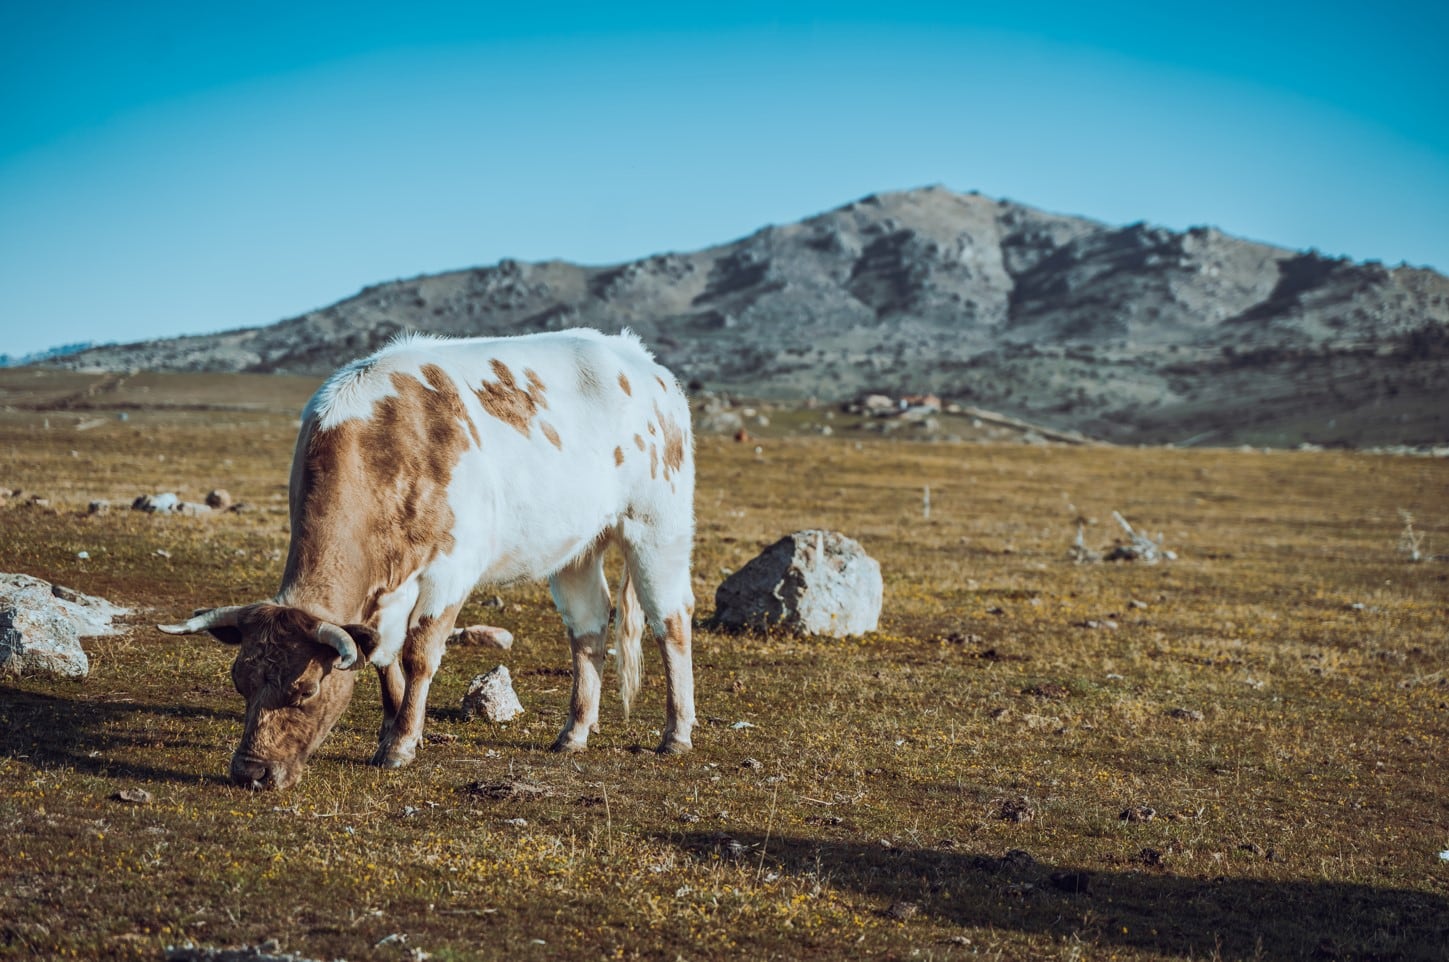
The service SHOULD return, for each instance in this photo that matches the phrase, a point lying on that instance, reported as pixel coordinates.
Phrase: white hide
(524, 508)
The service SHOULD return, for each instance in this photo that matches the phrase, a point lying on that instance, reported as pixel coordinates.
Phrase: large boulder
(41, 626)
(810, 582)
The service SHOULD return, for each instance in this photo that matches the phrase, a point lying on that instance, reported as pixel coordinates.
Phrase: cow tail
(628, 634)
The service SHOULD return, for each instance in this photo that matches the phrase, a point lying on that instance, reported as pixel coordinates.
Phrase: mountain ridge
(1128, 332)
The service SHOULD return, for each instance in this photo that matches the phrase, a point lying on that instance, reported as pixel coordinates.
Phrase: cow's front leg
(390, 680)
(421, 654)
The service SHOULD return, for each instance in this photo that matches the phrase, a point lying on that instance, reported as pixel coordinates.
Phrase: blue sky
(170, 168)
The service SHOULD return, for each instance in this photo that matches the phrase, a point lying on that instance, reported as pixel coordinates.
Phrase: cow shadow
(95, 736)
(1147, 909)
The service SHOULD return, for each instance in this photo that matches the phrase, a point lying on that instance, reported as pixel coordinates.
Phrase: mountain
(44, 357)
(1127, 333)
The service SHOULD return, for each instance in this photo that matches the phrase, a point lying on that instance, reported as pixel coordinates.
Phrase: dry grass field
(1238, 754)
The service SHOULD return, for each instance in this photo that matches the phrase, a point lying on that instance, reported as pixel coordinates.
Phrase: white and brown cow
(437, 464)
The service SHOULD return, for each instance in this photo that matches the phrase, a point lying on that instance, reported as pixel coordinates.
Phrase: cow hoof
(391, 759)
(674, 746)
(566, 746)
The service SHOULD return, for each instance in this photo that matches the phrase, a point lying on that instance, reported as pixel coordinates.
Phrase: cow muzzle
(257, 775)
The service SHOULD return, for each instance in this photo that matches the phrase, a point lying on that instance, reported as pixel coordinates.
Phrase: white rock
(41, 626)
(811, 582)
(492, 696)
(487, 636)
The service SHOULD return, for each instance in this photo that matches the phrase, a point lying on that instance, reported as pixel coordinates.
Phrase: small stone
(1186, 714)
(220, 499)
(83, 555)
(1150, 857)
(98, 507)
(901, 911)
(1138, 813)
(486, 636)
(1015, 810)
(752, 764)
(136, 796)
(492, 696)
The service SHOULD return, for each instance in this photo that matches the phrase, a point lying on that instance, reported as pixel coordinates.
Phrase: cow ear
(230, 635)
(226, 634)
(365, 637)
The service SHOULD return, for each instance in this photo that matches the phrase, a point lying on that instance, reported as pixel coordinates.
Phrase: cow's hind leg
(661, 580)
(582, 596)
(421, 653)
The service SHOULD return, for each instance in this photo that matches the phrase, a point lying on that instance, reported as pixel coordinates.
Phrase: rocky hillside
(1127, 333)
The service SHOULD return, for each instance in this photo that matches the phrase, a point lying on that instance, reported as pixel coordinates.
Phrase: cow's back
(506, 455)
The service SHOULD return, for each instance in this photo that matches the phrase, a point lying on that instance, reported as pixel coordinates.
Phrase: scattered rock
(268, 951)
(218, 500)
(901, 911)
(1149, 857)
(752, 764)
(1186, 714)
(168, 503)
(811, 582)
(1048, 690)
(98, 507)
(1015, 810)
(136, 796)
(499, 791)
(41, 626)
(485, 636)
(492, 696)
(1138, 813)
(153, 503)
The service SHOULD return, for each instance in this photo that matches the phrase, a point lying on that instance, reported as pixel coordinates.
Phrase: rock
(152, 503)
(901, 911)
(493, 697)
(1186, 714)
(486, 636)
(98, 507)
(136, 796)
(268, 951)
(719, 422)
(218, 500)
(41, 626)
(811, 582)
(190, 508)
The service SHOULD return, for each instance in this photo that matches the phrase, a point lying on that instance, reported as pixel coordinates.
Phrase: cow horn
(334, 637)
(207, 620)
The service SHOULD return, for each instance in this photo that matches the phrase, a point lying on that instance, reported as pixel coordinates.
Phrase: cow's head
(296, 673)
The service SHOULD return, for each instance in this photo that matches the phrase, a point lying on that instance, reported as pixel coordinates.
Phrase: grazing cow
(437, 464)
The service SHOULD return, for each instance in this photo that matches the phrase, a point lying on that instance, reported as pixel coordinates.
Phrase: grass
(951, 786)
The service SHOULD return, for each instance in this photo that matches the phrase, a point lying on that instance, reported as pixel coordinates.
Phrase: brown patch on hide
(653, 461)
(639, 441)
(662, 383)
(618, 457)
(551, 434)
(370, 503)
(650, 424)
(509, 402)
(674, 448)
(676, 632)
(624, 383)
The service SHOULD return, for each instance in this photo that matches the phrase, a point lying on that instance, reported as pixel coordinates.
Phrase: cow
(437, 464)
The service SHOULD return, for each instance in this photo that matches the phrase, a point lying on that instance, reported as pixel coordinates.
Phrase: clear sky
(170, 167)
